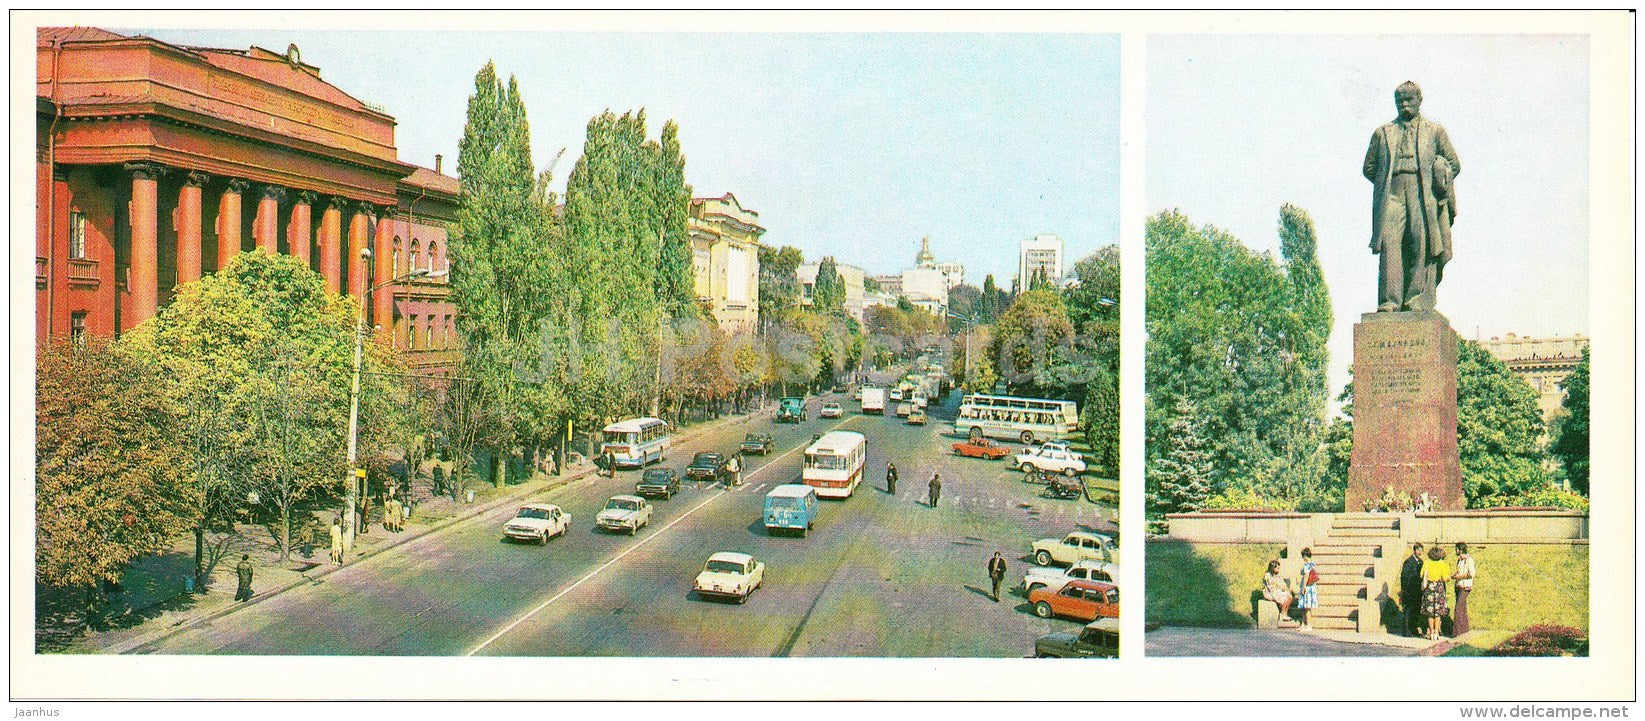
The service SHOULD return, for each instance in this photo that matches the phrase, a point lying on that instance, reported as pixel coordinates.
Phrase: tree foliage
(1031, 342)
(1242, 335)
(111, 486)
(1499, 428)
(1180, 477)
(1570, 443)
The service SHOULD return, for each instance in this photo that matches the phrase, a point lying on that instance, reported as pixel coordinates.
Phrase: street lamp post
(353, 479)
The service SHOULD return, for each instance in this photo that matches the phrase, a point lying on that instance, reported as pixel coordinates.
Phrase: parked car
(981, 448)
(1074, 547)
(916, 417)
(624, 513)
(896, 394)
(1099, 639)
(706, 466)
(1055, 460)
(1085, 569)
(537, 522)
(658, 482)
(903, 409)
(1084, 600)
(730, 575)
(831, 410)
(757, 443)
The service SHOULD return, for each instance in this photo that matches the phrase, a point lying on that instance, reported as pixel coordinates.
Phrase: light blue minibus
(791, 507)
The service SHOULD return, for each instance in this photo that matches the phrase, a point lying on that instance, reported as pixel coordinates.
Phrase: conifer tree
(1181, 477)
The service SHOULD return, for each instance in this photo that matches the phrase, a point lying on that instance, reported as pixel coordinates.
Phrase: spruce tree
(1181, 477)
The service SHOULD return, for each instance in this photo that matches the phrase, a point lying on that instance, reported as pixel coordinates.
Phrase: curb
(138, 645)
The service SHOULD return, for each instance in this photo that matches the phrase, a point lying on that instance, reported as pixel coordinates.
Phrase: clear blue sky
(1239, 125)
(854, 145)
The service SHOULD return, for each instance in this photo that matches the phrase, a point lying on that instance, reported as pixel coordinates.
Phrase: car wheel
(744, 598)
(1042, 609)
(1043, 558)
(1026, 467)
(1026, 438)
(542, 540)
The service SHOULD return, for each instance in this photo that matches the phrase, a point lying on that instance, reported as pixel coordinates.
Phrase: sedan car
(624, 513)
(1074, 547)
(1084, 600)
(1086, 569)
(706, 466)
(730, 575)
(757, 443)
(1054, 460)
(658, 483)
(981, 448)
(831, 410)
(1099, 639)
(537, 522)
(916, 417)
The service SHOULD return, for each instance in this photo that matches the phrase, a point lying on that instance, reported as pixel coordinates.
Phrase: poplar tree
(1571, 435)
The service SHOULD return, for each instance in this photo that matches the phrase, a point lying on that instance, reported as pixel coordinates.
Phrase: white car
(624, 513)
(1085, 569)
(730, 575)
(537, 522)
(1052, 459)
(831, 410)
(896, 394)
(1075, 547)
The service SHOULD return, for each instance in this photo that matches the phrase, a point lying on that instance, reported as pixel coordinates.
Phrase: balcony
(83, 271)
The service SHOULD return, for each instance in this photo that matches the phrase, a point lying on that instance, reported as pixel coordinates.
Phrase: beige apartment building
(725, 246)
(1543, 362)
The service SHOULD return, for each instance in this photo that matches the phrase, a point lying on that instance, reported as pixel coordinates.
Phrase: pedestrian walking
(243, 593)
(996, 573)
(388, 514)
(735, 468)
(1464, 578)
(935, 489)
(365, 515)
(337, 540)
(891, 478)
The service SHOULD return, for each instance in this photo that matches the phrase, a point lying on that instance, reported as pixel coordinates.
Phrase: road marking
(620, 556)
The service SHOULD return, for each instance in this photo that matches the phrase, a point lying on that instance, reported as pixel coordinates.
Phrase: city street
(880, 575)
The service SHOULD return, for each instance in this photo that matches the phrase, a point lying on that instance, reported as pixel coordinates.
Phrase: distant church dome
(925, 257)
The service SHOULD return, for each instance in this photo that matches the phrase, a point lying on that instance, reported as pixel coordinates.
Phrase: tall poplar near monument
(1405, 353)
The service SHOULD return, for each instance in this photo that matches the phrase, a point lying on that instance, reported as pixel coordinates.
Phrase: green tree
(1028, 340)
(1571, 435)
(779, 283)
(1100, 419)
(1242, 336)
(1180, 478)
(1499, 428)
(828, 292)
(111, 484)
(676, 281)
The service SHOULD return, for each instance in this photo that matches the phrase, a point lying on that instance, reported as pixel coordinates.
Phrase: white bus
(1027, 420)
(833, 463)
(636, 442)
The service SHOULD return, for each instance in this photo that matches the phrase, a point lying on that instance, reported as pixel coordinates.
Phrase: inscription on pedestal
(1405, 410)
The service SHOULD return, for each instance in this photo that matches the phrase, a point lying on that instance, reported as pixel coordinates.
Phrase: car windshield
(751, 437)
(656, 475)
(783, 502)
(725, 567)
(705, 459)
(537, 513)
(623, 504)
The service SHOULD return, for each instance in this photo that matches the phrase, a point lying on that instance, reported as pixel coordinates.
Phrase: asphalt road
(880, 575)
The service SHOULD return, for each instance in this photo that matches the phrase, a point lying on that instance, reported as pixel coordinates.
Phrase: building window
(77, 329)
(411, 333)
(432, 248)
(77, 235)
(451, 333)
(416, 255)
(396, 256)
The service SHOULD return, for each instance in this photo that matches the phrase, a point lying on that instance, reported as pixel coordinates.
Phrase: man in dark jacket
(891, 478)
(935, 489)
(996, 573)
(243, 593)
(1410, 591)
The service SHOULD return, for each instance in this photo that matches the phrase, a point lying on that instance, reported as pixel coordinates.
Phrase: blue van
(792, 507)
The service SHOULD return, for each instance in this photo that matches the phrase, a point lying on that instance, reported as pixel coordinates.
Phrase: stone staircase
(1347, 561)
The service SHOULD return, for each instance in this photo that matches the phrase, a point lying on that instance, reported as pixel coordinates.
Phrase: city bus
(833, 463)
(1027, 420)
(636, 442)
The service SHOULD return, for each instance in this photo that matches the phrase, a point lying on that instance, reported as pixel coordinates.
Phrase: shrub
(1544, 640)
(1247, 500)
(1547, 496)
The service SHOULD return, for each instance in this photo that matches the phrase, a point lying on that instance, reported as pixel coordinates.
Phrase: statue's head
(1408, 99)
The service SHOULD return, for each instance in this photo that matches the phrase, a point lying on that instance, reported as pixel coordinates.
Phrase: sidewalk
(1192, 641)
(157, 606)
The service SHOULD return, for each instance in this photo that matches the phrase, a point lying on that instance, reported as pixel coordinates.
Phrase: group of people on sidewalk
(1422, 590)
(1422, 581)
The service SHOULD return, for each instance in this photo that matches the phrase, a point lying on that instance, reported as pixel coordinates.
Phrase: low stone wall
(1479, 526)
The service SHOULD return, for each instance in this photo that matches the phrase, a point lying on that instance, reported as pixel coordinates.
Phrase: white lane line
(620, 556)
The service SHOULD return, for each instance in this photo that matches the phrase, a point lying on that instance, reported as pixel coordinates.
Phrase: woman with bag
(1307, 596)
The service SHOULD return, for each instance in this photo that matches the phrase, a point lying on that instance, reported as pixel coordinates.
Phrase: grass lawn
(1205, 584)
(1479, 642)
(1519, 586)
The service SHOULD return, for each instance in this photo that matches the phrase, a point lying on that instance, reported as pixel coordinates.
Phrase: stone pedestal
(1405, 410)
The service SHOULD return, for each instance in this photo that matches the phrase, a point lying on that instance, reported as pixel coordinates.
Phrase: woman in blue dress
(1307, 597)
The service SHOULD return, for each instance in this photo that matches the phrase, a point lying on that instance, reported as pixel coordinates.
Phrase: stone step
(1339, 595)
(1335, 624)
(1358, 532)
(1343, 568)
(1347, 548)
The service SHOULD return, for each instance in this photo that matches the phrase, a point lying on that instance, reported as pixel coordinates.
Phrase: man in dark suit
(1410, 591)
(996, 573)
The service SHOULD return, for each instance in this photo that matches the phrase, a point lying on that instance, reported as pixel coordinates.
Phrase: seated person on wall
(1276, 589)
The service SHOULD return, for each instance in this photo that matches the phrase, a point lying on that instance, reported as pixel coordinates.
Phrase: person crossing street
(935, 489)
(735, 468)
(891, 478)
(996, 573)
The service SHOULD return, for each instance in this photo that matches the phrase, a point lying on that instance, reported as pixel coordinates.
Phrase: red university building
(157, 163)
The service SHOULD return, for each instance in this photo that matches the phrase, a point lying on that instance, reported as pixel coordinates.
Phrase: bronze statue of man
(1412, 168)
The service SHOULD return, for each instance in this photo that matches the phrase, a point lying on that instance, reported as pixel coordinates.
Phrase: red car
(981, 448)
(1084, 600)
